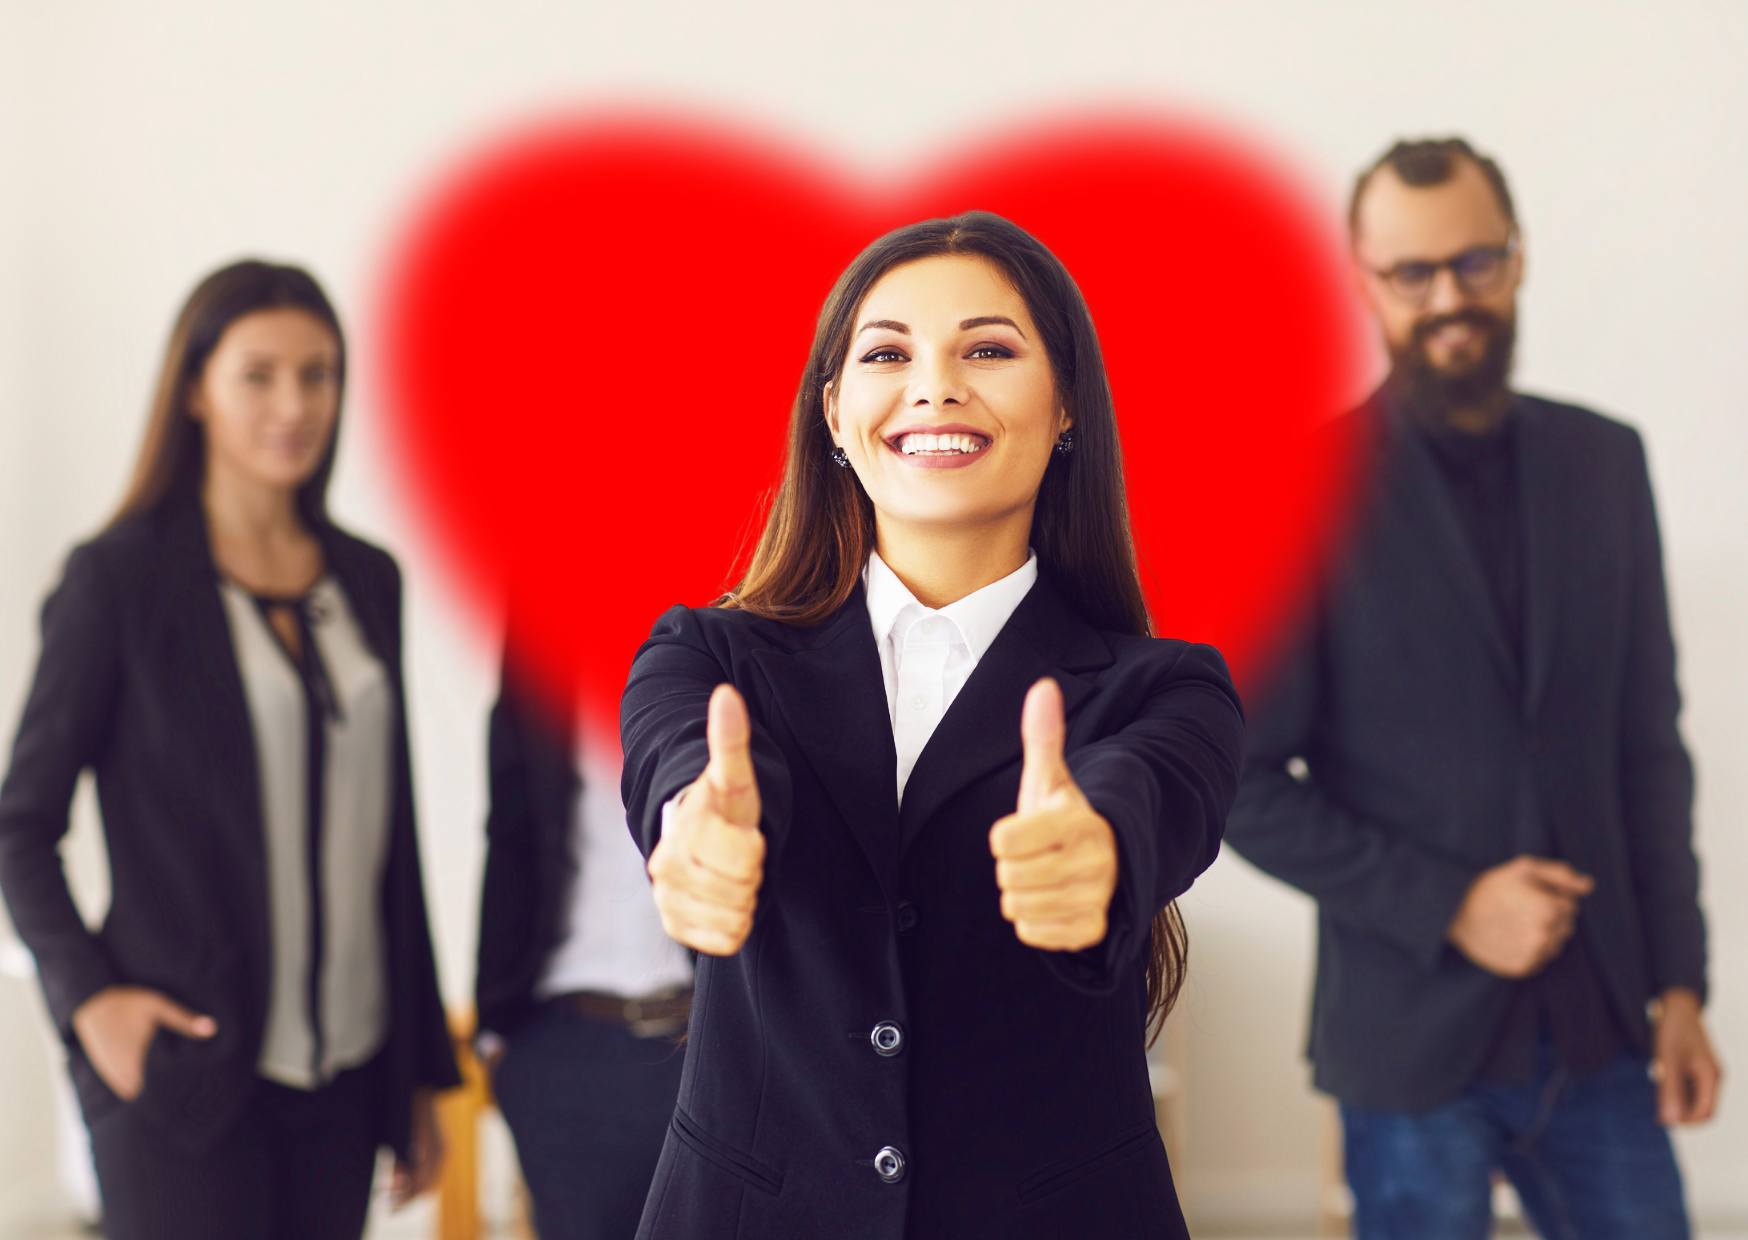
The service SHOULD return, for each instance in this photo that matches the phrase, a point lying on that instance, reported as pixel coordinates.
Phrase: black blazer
(1019, 1096)
(1431, 758)
(530, 856)
(138, 681)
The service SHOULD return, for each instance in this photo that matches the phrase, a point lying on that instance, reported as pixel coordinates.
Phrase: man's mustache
(1470, 316)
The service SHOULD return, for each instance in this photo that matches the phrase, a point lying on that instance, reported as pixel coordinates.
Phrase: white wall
(144, 144)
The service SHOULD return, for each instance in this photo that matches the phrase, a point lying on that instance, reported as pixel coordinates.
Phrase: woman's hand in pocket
(115, 1026)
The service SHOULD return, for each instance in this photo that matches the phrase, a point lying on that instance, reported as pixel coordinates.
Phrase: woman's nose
(938, 383)
(292, 401)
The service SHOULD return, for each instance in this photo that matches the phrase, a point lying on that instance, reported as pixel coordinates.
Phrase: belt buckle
(654, 1027)
(642, 1026)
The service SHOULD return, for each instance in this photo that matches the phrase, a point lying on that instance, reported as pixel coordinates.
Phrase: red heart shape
(592, 336)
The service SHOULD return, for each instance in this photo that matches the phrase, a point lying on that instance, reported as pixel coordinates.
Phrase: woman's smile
(941, 447)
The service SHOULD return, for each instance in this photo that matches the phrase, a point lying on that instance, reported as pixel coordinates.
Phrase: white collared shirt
(927, 655)
(611, 941)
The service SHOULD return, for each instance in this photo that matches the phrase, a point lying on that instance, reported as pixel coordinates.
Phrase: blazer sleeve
(1362, 876)
(506, 917)
(434, 1056)
(662, 732)
(1164, 783)
(1656, 772)
(63, 730)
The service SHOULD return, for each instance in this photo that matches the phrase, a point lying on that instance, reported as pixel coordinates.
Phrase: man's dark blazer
(1019, 1096)
(530, 854)
(138, 680)
(1429, 757)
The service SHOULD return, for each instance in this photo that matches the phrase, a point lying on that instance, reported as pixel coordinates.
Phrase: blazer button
(889, 1164)
(907, 917)
(887, 1039)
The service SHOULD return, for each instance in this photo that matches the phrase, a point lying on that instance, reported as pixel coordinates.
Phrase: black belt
(662, 1014)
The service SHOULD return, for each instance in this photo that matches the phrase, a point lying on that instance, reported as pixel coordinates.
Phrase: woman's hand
(116, 1024)
(1055, 856)
(424, 1152)
(707, 867)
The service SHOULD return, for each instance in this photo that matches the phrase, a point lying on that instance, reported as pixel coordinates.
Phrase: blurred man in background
(1471, 762)
(582, 996)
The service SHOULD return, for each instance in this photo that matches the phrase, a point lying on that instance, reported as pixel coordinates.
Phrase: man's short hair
(1430, 161)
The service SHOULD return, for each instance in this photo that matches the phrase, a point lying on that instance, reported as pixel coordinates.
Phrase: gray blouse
(323, 735)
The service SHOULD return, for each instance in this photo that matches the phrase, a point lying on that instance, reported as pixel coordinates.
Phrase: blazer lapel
(980, 732)
(1423, 498)
(200, 633)
(832, 694)
(363, 594)
(1540, 514)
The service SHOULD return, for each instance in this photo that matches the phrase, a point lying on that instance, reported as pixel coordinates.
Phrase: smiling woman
(901, 402)
(259, 1011)
(923, 787)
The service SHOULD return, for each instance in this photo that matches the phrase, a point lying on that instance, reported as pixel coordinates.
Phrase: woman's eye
(259, 378)
(883, 355)
(318, 374)
(991, 350)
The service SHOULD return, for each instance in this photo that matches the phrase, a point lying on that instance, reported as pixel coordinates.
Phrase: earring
(840, 458)
(1065, 442)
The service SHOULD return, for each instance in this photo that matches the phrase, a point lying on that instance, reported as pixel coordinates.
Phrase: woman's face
(269, 397)
(946, 404)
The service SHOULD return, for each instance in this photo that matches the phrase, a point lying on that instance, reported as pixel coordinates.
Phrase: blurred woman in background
(259, 1011)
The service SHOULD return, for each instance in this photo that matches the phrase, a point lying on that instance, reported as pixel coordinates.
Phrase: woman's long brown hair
(820, 530)
(172, 460)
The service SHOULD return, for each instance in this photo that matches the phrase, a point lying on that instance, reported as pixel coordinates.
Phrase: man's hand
(1683, 1064)
(1055, 856)
(1517, 916)
(116, 1024)
(707, 867)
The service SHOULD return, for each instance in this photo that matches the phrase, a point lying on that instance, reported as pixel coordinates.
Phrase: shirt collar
(979, 616)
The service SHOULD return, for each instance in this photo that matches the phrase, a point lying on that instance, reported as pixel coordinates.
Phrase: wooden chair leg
(458, 1114)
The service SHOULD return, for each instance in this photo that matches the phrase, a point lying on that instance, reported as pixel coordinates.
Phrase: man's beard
(1480, 384)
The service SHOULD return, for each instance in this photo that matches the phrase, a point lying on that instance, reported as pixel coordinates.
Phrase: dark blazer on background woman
(1015, 1084)
(138, 681)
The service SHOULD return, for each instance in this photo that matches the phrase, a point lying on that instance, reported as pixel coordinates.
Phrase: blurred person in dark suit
(1471, 762)
(582, 996)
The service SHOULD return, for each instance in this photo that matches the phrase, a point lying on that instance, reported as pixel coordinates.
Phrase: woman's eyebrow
(965, 325)
(987, 320)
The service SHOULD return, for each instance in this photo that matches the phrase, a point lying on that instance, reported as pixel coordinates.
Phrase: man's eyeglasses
(1479, 269)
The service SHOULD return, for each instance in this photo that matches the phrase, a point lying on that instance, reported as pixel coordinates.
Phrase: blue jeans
(1586, 1155)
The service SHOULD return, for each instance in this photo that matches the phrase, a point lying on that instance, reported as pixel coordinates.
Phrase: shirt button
(887, 1039)
(907, 917)
(919, 701)
(889, 1164)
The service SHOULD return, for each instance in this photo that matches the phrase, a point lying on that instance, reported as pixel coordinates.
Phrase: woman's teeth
(910, 445)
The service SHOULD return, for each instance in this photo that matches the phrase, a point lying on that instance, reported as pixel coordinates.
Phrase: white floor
(417, 1223)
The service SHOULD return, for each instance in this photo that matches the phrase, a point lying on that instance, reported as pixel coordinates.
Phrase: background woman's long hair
(172, 460)
(820, 531)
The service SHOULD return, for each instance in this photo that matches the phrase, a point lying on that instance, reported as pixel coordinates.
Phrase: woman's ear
(193, 402)
(830, 398)
(1065, 420)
